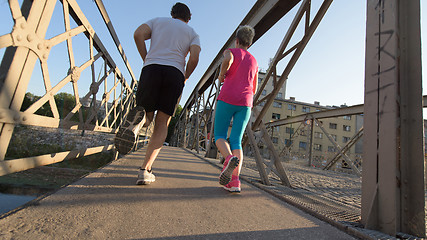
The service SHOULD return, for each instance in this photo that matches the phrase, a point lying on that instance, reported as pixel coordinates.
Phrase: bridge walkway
(185, 202)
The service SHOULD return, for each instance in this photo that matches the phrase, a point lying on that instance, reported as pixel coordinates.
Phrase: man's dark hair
(181, 11)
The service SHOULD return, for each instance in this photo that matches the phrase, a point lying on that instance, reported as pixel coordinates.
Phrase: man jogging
(161, 82)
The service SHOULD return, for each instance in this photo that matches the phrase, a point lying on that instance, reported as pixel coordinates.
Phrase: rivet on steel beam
(16, 118)
(39, 46)
(406, 181)
(23, 25)
(30, 37)
(406, 195)
(406, 209)
(24, 118)
(19, 37)
(45, 56)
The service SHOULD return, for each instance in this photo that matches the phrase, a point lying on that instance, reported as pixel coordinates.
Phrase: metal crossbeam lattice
(27, 44)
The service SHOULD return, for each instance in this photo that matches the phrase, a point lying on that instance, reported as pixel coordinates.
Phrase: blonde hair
(245, 34)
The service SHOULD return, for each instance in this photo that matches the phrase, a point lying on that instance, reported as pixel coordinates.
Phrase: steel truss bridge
(393, 186)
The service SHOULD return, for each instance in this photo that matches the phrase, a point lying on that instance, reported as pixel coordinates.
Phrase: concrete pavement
(185, 202)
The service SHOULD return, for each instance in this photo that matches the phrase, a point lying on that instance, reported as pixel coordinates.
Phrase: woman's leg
(223, 147)
(222, 122)
(240, 120)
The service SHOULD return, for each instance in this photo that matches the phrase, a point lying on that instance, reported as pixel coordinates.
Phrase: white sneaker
(145, 177)
(126, 136)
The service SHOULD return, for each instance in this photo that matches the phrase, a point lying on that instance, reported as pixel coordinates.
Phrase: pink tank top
(239, 84)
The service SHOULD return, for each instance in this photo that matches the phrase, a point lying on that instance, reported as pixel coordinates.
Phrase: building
(292, 141)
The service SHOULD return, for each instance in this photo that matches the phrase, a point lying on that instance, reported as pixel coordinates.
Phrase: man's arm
(141, 34)
(193, 60)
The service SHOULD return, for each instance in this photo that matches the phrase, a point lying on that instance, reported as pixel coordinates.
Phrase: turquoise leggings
(224, 113)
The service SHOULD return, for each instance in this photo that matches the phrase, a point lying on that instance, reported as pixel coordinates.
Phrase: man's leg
(149, 118)
(157, 139)
(126, 136)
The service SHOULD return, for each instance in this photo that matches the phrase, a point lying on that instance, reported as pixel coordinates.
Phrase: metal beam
(309, 31)
(262, 16)
(338, 112)
(393, 163)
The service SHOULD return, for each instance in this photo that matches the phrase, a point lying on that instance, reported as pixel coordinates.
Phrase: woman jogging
(239, 73)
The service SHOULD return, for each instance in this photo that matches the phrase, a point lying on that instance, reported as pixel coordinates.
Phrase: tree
(29, 99)
(65, 102)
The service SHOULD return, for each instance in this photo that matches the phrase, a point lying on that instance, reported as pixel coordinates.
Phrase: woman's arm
(255, 82)
(225, 65)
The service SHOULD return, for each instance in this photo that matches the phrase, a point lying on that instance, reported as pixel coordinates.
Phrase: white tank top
(170, 42)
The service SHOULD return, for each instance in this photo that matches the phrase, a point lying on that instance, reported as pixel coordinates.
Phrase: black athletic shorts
(159, 88)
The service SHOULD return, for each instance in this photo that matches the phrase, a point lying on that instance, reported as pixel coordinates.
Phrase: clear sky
(331, 69)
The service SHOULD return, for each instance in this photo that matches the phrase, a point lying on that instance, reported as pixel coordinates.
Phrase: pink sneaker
(229, 166)
(233, 185)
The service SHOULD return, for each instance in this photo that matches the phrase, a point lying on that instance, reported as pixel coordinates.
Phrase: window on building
(347, 117)
(279, 95)
(346, 128)
(277, 104)
(292, 107)
(275, 140)
(289, 130)
(305, 109)
(331, 149)
(317, 147)
(303, 145)
(288, 142)
(333, 125)
(334, 137)
(275, 116)
(276, 129)
(318, 135)
(264, 92)
(345, 139)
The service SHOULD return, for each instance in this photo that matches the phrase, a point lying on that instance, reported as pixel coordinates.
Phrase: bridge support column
(393, 163)
(18, 63)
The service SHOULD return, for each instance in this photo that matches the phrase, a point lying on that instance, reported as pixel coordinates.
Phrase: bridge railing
(102, 96)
